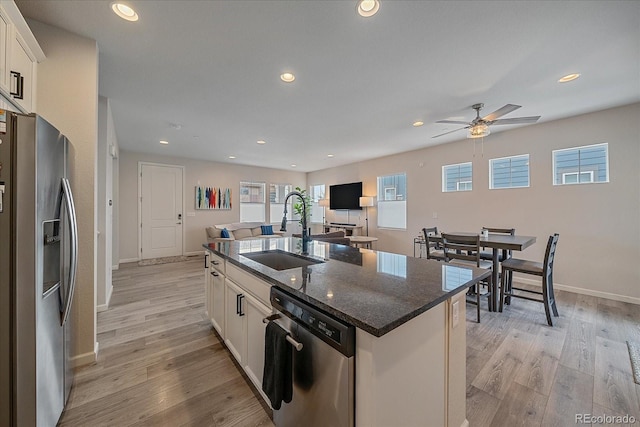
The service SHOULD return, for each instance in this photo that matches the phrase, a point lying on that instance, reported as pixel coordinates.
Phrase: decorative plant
(297, 207)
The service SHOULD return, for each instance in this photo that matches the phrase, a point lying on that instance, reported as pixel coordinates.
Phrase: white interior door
(161, 210)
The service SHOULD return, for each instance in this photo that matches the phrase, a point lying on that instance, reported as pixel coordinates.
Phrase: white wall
(68, 98)
(599, 224)
(106, 140)
(197, 172)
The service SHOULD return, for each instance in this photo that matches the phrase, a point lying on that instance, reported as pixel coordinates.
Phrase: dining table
(497, 242)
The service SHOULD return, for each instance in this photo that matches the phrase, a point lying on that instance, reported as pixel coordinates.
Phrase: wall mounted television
(345, 196)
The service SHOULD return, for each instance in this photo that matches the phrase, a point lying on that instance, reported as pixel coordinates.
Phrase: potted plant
(298, 208)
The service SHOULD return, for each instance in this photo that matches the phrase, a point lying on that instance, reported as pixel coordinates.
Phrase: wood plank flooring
(160, 364)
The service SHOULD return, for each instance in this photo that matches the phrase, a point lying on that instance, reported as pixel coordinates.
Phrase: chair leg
(552, 296)
(509, 286)
(545, 300)
(478, 301)
(503, 283)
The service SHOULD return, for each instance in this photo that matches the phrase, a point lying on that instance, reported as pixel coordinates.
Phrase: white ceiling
(213, 67)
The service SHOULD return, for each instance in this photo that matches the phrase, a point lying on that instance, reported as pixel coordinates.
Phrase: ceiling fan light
(478, 131)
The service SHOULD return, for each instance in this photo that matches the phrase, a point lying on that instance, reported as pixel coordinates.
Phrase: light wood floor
(160, 363)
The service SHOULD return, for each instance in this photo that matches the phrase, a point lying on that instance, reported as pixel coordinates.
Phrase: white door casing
(161, 217)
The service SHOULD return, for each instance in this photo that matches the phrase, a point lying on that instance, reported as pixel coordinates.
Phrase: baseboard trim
(115, 267)
(105, 307)
(582, 291)
(465, 423)
(193, 253)
(126, 260)
(86, 358)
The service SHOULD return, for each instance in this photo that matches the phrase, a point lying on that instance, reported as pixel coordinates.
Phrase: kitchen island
(409, 316)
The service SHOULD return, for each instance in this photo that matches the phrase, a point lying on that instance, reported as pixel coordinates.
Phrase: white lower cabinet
(254, 362)
(234, 321)
(217, 303)
(236, 305)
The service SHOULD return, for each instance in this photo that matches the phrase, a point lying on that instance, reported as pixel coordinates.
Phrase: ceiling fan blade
(454, 122)
(501, 112)
(451, 131)
(516, 120)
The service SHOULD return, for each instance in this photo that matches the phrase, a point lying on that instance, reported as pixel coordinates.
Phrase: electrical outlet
(435, 215)
(456, 313)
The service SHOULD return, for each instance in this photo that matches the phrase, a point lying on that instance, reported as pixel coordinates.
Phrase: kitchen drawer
(217, 262)
(256, 287)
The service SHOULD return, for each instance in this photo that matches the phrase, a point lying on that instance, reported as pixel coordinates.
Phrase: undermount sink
(280, 260)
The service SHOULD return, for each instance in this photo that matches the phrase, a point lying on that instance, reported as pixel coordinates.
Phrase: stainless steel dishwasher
(323, 365)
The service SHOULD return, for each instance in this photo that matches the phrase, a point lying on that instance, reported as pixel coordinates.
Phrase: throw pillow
(224, 233)
(267, 230)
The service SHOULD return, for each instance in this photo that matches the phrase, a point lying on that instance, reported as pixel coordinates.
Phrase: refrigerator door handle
(73, 249)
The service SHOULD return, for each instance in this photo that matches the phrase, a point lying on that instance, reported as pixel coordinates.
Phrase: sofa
(333, 237)
(240, 231)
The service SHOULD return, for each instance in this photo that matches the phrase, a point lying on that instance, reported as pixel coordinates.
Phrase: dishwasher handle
(297, 345)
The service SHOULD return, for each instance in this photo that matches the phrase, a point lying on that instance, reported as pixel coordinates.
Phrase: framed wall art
(208, 198)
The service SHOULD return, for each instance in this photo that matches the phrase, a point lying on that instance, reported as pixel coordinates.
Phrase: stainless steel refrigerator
(38, 262)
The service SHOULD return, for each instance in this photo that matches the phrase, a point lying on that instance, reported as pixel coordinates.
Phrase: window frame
(399, 198)
(263, 203)
(554, 170)
(458, 182)
(281, 204)
(491, 167)
(315, 208)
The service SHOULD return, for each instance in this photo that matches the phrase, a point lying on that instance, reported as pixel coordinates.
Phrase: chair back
(549, 255)
(430, 244)
(510, 231)
(461, 247)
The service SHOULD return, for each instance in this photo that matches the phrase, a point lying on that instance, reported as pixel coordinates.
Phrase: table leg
(495, 273)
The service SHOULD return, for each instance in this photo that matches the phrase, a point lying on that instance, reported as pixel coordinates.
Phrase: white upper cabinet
(19, 57)
(5, 45)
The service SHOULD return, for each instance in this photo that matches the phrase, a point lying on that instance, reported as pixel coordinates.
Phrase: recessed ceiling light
(164, 142)
(232, 157)
(262, 142)
(417, 124)
(124, 11)
(293, 166)
(367, 8)
(329, 155)
(287, 77)
(568, 78)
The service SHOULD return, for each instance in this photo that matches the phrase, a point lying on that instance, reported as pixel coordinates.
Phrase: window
(316, 193)
(581, 165)
(509, 172)
(277, 194)
(392, 201)
(457, 177)
(252, 202)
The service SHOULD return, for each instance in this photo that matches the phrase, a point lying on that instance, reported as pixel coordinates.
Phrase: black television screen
(345, 196)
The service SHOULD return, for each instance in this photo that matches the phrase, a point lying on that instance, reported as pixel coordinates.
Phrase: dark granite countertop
(372, 290)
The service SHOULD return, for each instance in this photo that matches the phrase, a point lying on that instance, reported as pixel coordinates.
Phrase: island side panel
(401, 376)
(457, 362)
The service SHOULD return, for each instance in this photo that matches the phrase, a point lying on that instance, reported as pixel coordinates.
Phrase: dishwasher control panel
(331, 330)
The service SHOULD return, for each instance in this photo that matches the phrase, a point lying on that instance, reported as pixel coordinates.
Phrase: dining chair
(504, 254)
(434, 249)
(543, 269)
(464, 250)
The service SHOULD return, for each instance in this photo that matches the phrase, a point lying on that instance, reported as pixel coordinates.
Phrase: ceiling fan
(479, 127)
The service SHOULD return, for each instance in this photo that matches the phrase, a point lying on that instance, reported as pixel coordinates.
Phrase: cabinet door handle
(214, 274)
(19, 93)
(238, 303)
(215, 263)
(206, 258)
(240, 312)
